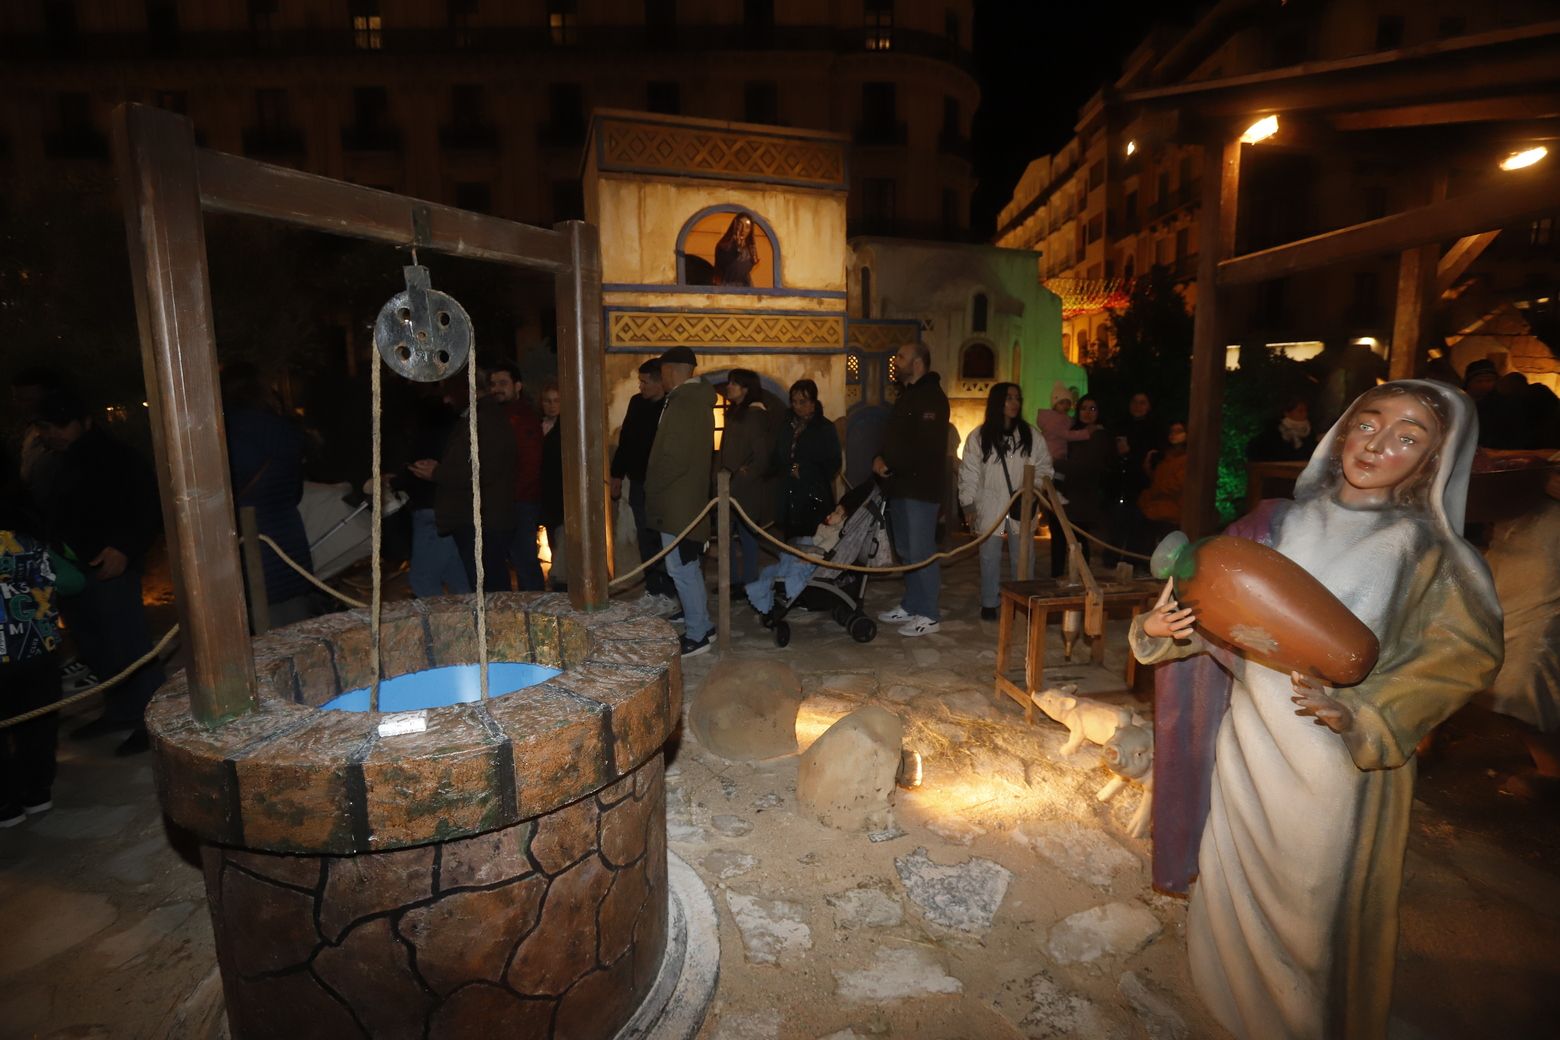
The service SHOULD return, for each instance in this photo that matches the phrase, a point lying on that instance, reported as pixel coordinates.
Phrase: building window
(1541, 232)
(951, 26)
(568, 200)
(661, 16)
(565, 115)
(1129, 213)
(877, 204)
(978, 361)
(371, 129)
(461, 14)
(262, 21)
(879, 115)
(162, 20)
(59, 23)
(563, 22)
(476, 196)
(1096, 174)
(980, 308)
(469, 125)
(852, 369)
(758, 19)
(878, 17)
(663, 97)
(761, 102)
(1080, 346)
(1164, 251)
(367, 28)
(866, 292)
(1096, 227)
(1389, 32)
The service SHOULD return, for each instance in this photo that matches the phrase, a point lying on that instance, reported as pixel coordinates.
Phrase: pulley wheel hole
(444, 357)
(444, 319)
(422, 334)
(404, 352)
(405, 314)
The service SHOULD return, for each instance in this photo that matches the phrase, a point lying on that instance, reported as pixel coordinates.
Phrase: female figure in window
(736, 254)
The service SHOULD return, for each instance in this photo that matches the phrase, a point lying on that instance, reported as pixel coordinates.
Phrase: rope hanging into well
(376, 600)
(476, 519)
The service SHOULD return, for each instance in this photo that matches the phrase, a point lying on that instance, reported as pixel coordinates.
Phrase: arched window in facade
(1082, 340)
(978, 361)
(866, 292)
(730, 247)
(978, 312)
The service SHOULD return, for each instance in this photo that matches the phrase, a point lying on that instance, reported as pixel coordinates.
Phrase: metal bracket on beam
(422, 227)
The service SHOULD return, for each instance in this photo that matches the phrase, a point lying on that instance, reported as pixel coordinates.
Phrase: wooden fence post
(254, 571)
(1024, 551)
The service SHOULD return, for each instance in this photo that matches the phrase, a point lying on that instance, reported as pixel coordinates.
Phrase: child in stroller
(852, 533)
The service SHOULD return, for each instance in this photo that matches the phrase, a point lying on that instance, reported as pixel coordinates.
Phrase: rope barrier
(376, 535)
(476, 522)
(265, 539)
(624, 580)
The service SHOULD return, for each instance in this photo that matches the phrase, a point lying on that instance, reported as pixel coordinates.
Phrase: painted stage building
(730, 239)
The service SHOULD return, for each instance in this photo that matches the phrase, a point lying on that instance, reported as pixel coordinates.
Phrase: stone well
(502, 874)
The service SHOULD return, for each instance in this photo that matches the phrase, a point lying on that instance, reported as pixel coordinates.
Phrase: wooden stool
(1039, 598)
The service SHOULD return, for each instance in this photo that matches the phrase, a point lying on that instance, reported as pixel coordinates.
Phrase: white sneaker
(919, 626)
(897, 616)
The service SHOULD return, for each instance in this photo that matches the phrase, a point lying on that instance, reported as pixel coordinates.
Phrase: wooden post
(723, 556)
(1413, 317)
(1215, 240)
(254, 572)
(580, 364)
(1024, 551)
(155, 155)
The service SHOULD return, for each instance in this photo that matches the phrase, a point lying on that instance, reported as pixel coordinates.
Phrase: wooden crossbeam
(1459, 258)
(1500, 108)
(233, 184)
(1509, 199)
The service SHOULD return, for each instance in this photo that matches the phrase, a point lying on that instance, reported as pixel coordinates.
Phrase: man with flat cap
(677, 485)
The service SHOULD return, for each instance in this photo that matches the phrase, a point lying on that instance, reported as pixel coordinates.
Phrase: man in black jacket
(629, 462)
(913, 467)
(101, 502)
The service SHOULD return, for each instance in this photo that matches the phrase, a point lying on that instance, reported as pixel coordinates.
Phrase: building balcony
(1189, 194)
(370, 139)
(882, 135)
(280, 142)
(76, 143)
(469, 137)
(953, 144)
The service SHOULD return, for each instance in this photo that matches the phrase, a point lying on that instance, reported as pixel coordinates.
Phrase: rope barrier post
(723, 555)
(1024, 555)
(254, 573)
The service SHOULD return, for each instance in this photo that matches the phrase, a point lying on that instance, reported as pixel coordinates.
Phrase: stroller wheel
(782, 633)
(863, 629)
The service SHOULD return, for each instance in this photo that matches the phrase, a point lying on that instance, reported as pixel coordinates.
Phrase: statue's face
(1387, 441)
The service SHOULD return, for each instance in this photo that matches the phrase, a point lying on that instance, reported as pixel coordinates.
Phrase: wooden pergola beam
(1511, 198)
(232, 184)
(1455, 263)
(1441, 113)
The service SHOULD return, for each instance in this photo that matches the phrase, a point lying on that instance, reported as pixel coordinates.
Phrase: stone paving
(1003, 899)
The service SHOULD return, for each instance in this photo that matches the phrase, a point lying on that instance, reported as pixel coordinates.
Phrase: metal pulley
(422, 333)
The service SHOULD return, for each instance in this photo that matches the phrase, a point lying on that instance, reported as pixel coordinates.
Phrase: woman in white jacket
(992, 468)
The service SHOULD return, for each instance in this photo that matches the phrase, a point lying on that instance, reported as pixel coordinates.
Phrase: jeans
(111, 632)
(495, 557)
(748, 541)
(788, 569)
(991, 564)
(914, 525)
(27, 750)
(522, 549)
(435, 560)
(689, 581)
(656, 581)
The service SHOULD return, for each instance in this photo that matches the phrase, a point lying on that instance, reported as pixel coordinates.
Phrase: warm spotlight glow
(1523, 159)
(1261, 130)
(812, 722)
(1131, 148)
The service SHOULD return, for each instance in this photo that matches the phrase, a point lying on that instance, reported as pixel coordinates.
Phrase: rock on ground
(1159, 1020)
(769, 927)
(1060, 1015)
(866, 907)
(1084, 854)
(726, 864)
(896, 974)
(731, 826)
(1112, 930)
(745, 709)
(846, 777)
(955, 830)
(963, 897)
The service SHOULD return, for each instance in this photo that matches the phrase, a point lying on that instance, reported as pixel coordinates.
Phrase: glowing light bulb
(1261, 130)
(1523, 159)
(1131, 147)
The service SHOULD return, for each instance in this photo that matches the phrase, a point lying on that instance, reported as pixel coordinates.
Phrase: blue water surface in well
(441, 687)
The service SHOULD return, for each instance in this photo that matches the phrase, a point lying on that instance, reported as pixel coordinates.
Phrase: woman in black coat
(807, 457)
(1086, 470)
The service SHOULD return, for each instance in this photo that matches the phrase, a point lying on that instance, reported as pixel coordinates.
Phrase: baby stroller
(863, 538)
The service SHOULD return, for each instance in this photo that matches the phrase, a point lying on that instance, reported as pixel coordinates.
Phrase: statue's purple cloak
(1190, 698)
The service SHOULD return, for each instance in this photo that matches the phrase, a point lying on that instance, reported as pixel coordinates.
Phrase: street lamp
(1261, 130)
(1131, 148)
(1525, 158)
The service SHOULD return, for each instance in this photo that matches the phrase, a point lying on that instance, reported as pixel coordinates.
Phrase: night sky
(1038, 62)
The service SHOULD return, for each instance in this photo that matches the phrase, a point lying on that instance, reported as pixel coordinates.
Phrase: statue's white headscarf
(1446, 500)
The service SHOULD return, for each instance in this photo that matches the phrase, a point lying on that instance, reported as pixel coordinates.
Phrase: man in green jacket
(677, 485)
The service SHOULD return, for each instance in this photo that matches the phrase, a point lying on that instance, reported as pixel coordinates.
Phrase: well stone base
(550, 928)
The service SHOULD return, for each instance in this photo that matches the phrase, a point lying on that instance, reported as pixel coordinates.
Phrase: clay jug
(1264, 604)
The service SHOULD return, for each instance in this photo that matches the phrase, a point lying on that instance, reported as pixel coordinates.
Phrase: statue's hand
(1333, 714)
(1168, 619)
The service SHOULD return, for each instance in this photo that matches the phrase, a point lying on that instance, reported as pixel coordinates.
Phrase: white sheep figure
(1127, 739)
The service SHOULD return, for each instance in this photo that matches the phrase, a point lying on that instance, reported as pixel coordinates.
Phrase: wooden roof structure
(1455, 108)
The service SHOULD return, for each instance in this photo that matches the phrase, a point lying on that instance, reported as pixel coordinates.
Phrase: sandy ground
(963, 925)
